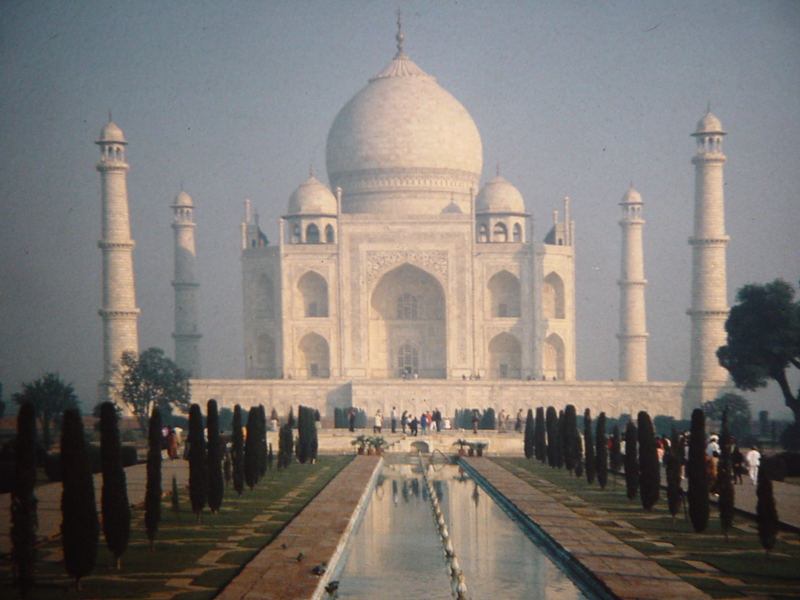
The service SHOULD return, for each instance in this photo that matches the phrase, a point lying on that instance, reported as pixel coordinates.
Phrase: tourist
(394, 419)
(737, 461)
(476, 417)
(518, 424)
(437, 417)
(351, 418)
(414, 425)
(753, 460)
(376, 428)
(713, 446)
(404, 420)
(423, 421)
(501, 421)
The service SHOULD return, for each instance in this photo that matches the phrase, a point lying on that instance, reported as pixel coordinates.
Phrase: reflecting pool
(397, 551)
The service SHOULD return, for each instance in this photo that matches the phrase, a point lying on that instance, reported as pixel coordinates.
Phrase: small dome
(499, 196)
(312, 197)
(709, 124)
(183, 199)
(632, 197)
(112, 133)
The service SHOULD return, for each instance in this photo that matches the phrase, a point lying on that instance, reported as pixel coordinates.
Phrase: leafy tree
(251, 449)
(50, 397)
(214, 457)
(738, 410)
(152, 494)
(152, 380)
(23, 503)
(529, 435)
(764, 339)
(198, 474)
(114, 503)
(80, 528)
(601, 453)
(551, 419)
(588, 443)
(631, 461)
(672, 462)
(570, 438)
(649, 468)
(725, 478)
(697, 494)
(540, 439)
(766, 513)
(237, 450)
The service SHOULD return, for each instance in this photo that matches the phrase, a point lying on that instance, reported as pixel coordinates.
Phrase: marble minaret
(632, 323)
(709, 307)
(187, 338)
(119, 313)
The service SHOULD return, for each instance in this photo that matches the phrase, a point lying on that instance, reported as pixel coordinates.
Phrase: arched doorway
(407, 325)
(553, 357)
(315, 357)
(504, 357)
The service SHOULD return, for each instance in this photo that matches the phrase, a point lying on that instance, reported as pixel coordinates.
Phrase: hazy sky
(234, 100)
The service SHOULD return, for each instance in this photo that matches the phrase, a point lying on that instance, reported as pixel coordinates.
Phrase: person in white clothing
(753, 459)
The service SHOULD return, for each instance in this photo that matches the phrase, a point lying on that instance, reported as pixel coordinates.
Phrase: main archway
(407, 327)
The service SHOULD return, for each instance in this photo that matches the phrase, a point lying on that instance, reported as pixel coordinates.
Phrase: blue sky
(234, 100)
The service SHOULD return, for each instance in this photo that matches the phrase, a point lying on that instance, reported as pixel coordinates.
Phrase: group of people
(428, 422)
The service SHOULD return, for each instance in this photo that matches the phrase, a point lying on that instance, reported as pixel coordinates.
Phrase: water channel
(397, 551)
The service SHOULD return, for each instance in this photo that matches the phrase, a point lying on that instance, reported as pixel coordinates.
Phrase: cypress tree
(269, 458)
(198, 474)
(588, 443)
(552, 436)
(251, 449)
(540, 447)
(672, 462)
(649, 469)
(285, 443)
(529, 435)
(291, 420)
(615, 458)
(262, 441)
(560, 439)
(237, 450)
(570, 438)
(23, 502)
(766, 513)
(697, 494)
(152, 496)
(725, 477)
(214, 457)
(80, 527)
(631, 461)
(601, 454)
(114, 502)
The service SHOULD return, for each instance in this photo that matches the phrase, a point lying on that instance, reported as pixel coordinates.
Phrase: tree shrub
(261, 447)
(615, 458)
(766, 513)
(649, 468)
(214, 457)
(237, 450)
(23, 502)
(251, 448)
(551, 422)
(570, 438)
(285, 443)
(115, 507)
(198, 473)
(601, 454)
(631, 461)
(529, 435)
(672, 462)
(697, 494)
(152, 496)
(80, 528)
(306, 426)
(588, 443)
(540, 447)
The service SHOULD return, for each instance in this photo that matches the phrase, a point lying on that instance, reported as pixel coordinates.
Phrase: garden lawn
(190, 560)
(723, 568)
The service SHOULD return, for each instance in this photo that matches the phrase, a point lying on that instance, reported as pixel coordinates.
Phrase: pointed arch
(312, 234)
(553, 297)
(483, 233)
(264, 303)
(266, 358)
(500, 232)
(504, 295)
(517, 235)
(315, 356)
(553, 357)
(330, 235)
(314, 294)
(505, 357)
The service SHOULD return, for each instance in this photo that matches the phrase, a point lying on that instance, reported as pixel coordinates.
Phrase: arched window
(296, 237)
(517, 232)
(504, 295)
(483, 234)
(500, 233)
(314, 293)
(330, 237)
(407, 308)
(553, 297)
(312, 234)
(407, 360)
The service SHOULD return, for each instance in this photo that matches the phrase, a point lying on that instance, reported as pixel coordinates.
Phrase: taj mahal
(405, 281)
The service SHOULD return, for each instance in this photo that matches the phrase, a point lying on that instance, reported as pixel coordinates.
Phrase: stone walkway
(49, 498)
(283, 570)
(623, 570)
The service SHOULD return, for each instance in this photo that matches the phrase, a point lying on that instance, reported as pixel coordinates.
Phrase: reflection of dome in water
(403, 134)
(312, 197)
(499, 196)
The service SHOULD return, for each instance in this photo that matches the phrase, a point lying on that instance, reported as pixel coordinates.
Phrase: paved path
(319, 532)
(49, 498)
(625, 571)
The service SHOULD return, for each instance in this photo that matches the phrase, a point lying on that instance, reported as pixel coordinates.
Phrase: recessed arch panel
(505, 357)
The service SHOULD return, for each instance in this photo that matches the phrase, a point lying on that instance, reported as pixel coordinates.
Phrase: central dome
(404, 145)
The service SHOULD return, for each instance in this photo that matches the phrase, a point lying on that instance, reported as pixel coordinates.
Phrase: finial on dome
(399, 36)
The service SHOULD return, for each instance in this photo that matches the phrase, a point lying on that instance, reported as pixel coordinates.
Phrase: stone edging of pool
(601, 565)
(318, 534)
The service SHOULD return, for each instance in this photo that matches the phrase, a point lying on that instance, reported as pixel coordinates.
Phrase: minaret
(187, 338)
(632, 324)
(119, 313)
(709, 286)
